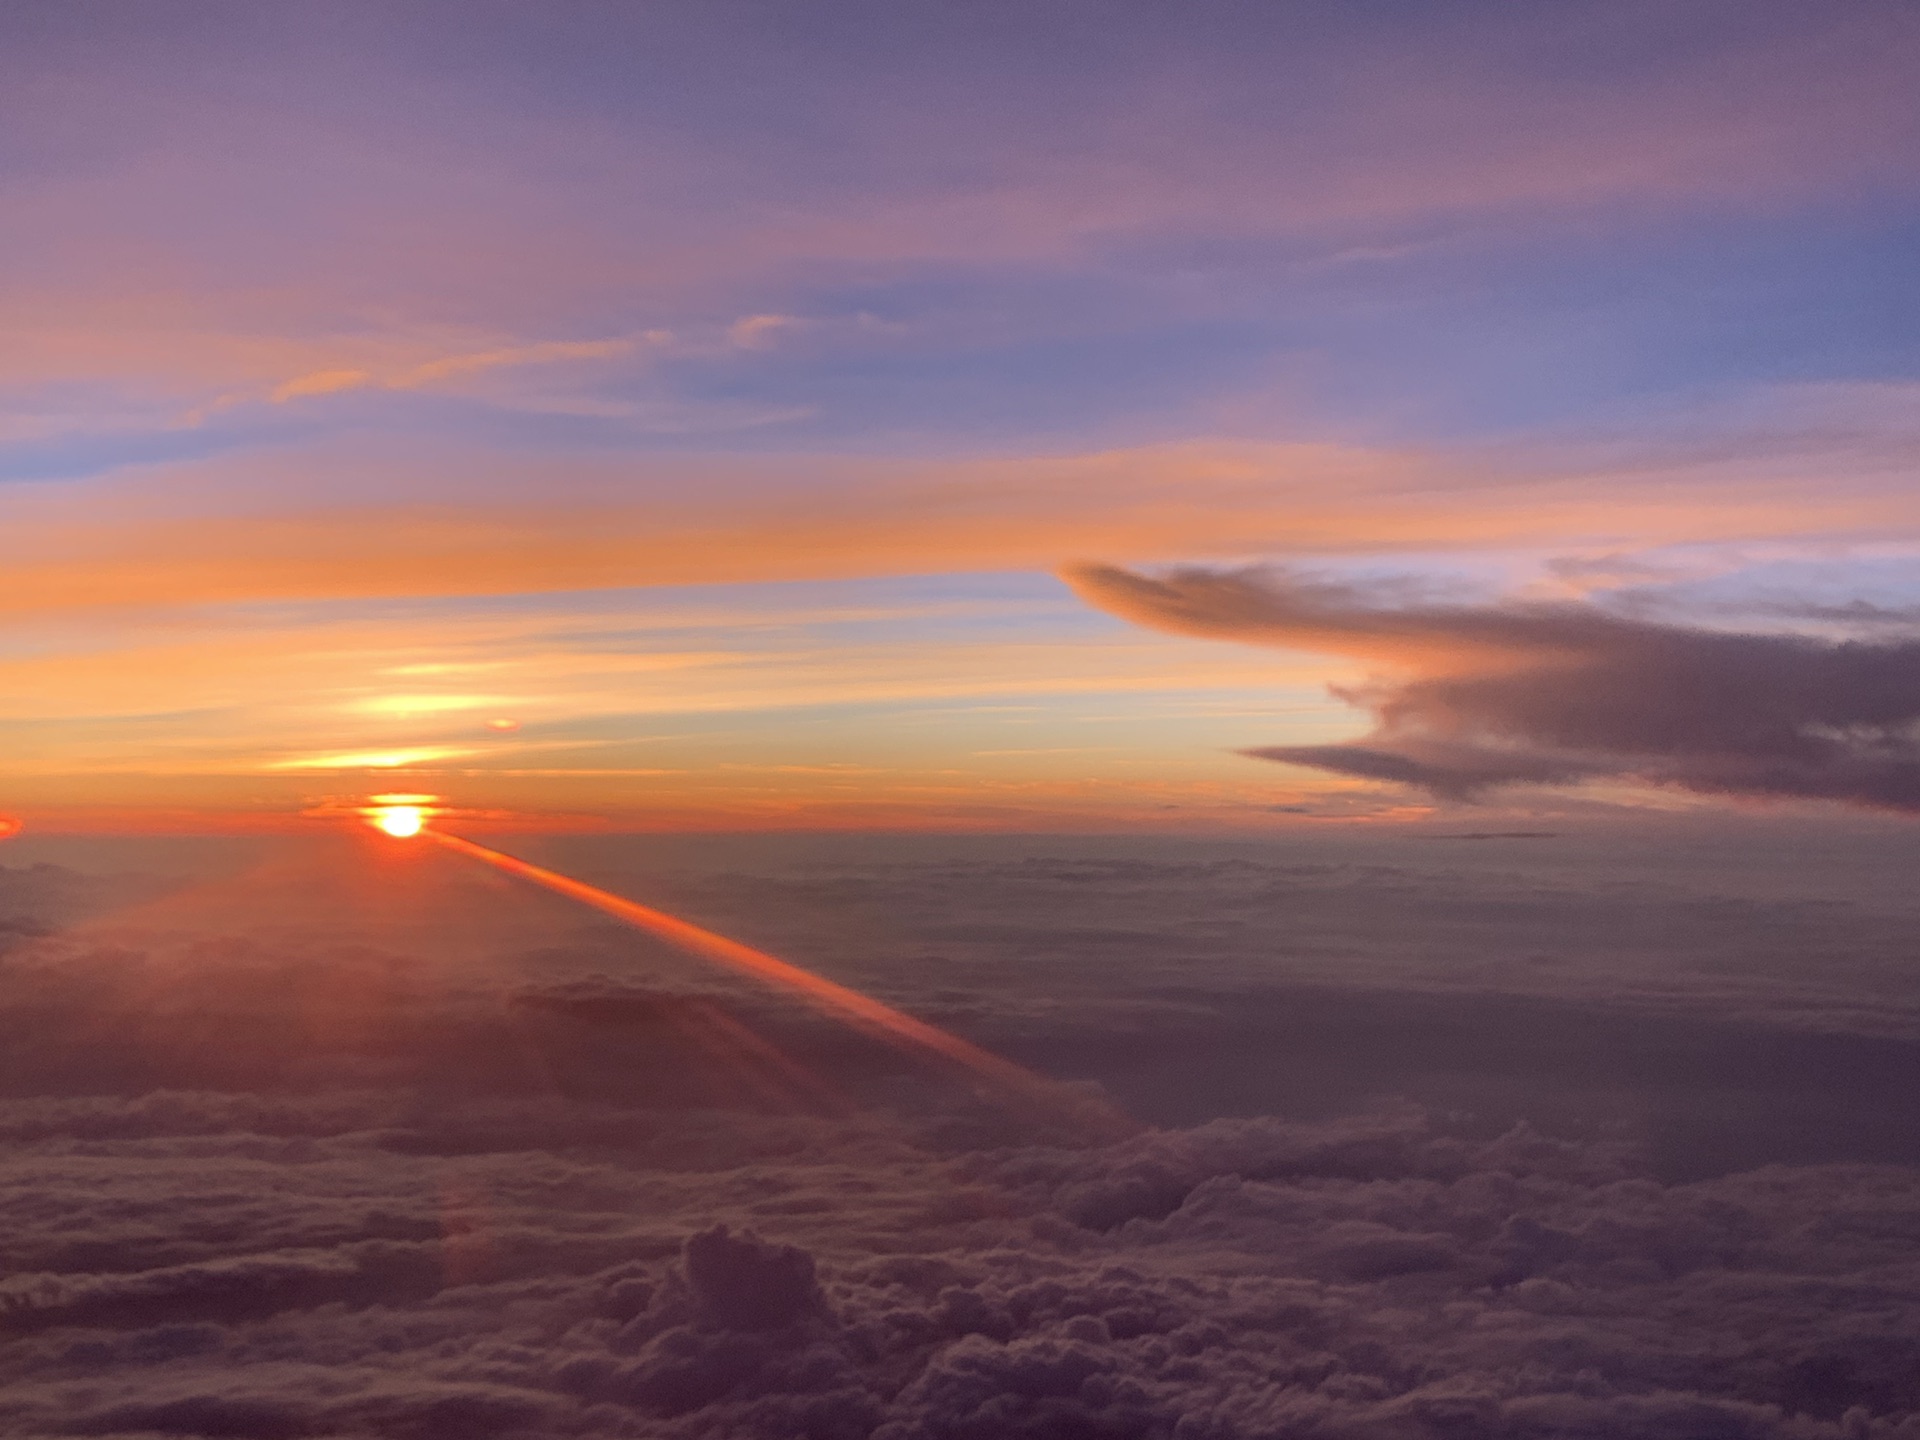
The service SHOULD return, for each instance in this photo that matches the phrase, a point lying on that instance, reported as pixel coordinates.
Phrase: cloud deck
(497, 1201)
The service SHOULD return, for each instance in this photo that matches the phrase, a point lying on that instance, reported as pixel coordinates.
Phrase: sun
(399, 821)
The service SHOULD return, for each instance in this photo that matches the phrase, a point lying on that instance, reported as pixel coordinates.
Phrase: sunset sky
(731, 415)
(911, 590)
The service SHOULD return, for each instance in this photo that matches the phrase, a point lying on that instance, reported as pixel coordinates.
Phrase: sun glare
(399, 821)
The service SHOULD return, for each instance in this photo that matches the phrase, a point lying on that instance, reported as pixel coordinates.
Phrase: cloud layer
(1478, 696)
(276, 1176)
(292, 1268)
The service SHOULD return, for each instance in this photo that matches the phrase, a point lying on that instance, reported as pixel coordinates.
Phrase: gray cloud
(1498, 694)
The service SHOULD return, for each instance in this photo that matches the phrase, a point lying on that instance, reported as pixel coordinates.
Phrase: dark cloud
(1539, 693)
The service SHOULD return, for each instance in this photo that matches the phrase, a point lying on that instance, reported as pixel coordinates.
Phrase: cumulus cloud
(1365, 1276)
(1483, 695)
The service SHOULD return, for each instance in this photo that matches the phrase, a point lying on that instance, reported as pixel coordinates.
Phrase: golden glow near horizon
(371, 759)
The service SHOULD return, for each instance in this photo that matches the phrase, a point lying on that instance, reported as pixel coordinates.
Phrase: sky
(709, 416)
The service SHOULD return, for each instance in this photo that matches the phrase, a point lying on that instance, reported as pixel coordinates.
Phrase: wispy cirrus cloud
(452, 367)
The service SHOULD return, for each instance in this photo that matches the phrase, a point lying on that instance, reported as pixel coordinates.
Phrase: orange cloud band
(133, 546)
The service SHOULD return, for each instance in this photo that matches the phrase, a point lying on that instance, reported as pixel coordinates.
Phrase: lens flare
(844, 1004)
(399, 821)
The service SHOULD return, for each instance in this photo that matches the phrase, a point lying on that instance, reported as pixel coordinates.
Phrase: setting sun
(399, 821)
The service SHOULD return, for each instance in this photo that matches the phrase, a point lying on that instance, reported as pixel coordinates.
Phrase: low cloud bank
(1556, 693)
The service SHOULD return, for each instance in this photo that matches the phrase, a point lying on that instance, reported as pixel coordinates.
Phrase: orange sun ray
(846, 1004)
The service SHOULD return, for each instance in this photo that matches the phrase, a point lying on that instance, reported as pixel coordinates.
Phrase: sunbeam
(848, 1005)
